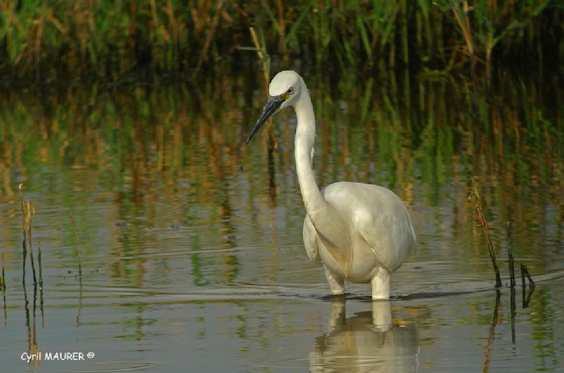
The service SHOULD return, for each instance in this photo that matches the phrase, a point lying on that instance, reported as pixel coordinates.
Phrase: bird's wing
(378, 232)
(378, 216)
(389, 233)
(310, 240)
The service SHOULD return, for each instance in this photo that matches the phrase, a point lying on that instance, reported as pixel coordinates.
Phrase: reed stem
(485, 228)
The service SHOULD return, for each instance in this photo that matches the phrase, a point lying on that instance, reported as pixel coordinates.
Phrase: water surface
(167, 245)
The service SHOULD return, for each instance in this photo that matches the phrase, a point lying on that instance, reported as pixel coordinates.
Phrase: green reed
(107, 39)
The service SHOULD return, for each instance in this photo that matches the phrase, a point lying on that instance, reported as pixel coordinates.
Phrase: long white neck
(327, 222)
(303, 146)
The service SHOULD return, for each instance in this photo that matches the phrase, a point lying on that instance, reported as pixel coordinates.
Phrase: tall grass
(46, 40)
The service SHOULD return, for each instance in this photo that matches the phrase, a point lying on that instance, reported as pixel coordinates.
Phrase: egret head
(284, 90)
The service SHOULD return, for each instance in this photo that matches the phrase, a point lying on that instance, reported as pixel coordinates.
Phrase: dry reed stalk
(511, 260)
(486, 229)
(526, 295)
(3, 276)
(263, 56)
(27, 212)
(40, 267)
(461, 16)
(282, 29)
(523, 287)
(264, 59)
(3, 285)
(528, 275)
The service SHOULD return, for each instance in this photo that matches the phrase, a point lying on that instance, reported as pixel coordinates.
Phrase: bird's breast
(356, 262)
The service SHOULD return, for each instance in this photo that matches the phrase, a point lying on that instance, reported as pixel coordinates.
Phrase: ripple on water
(117, 366)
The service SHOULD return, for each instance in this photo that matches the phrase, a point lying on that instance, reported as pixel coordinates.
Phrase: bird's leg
(337, 284)
(381, 284)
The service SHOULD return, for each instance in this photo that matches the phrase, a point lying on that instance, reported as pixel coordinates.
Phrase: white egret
(360, 232)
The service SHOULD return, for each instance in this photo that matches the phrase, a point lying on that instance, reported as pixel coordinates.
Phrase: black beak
(270, 108)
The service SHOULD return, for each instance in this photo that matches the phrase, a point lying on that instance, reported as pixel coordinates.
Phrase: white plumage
(359, 232)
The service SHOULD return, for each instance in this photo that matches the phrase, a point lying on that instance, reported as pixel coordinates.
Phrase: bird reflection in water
(366, 342)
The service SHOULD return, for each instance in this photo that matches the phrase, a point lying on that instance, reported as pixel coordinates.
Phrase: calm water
(168, 246)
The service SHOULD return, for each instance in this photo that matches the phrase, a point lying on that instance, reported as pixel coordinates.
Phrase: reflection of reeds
(491, 335)
(4, 305)
(143, 139)
(77, 248)
(30, 322)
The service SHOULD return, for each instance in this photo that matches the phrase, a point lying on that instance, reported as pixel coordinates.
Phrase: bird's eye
(291, 91)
